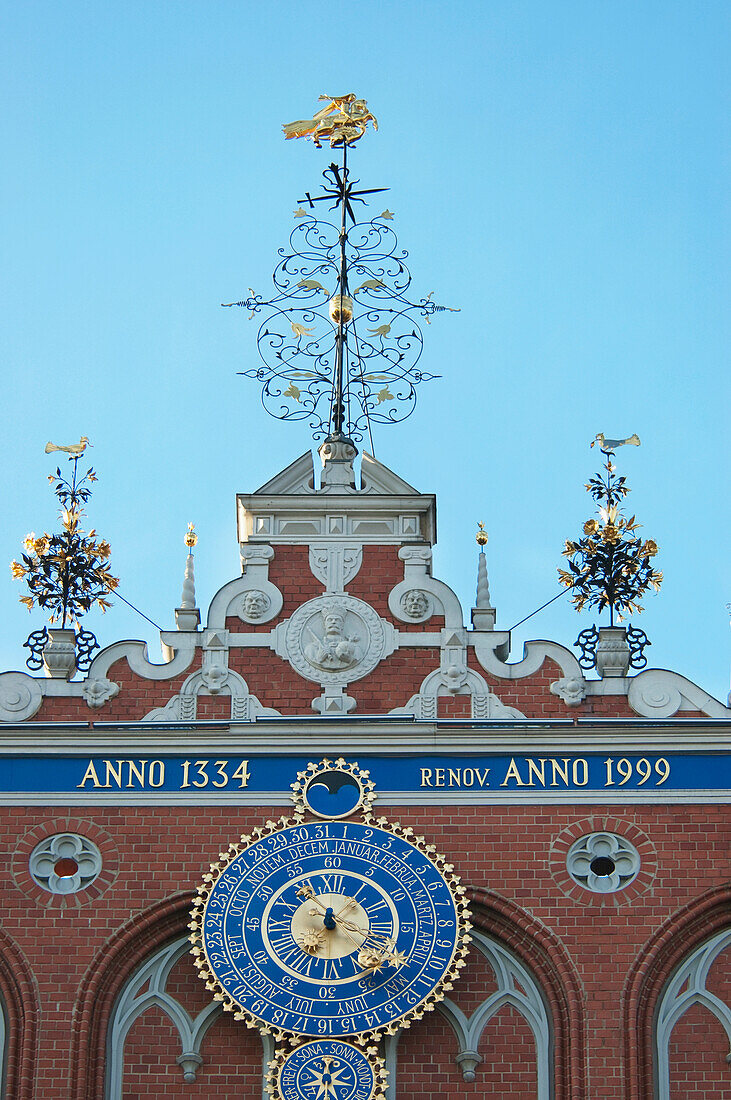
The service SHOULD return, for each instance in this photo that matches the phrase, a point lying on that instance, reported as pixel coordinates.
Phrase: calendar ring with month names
(330, 928)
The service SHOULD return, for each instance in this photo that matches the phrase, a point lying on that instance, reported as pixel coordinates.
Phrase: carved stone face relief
(416, 604)
(254, 605)
(334, 639)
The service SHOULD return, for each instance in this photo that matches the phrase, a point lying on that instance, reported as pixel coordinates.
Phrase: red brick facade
(599, 961)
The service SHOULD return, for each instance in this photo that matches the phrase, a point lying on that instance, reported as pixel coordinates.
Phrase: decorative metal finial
(190, 536)
(339, 340)
(66, 573)
(481, 536)
(610, 566)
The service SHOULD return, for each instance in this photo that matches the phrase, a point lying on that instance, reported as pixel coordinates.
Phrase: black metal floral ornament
(610, 566)
(340, 339)
(66, 573)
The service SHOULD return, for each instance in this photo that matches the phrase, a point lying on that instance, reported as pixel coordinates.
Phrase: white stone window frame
(134, 1001)
(603, 845)
(516, 987)
(675, 1001)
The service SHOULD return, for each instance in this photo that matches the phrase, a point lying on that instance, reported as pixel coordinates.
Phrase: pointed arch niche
(158, 1036)
(693, 1024)
(495, 1023)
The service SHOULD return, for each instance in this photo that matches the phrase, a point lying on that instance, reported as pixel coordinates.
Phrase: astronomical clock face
(330, 929)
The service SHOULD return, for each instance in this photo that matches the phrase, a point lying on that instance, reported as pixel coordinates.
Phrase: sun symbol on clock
(328, 1078)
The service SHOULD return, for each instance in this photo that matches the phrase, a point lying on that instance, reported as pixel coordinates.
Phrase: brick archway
(538, 947)
(673, 941)
(19, 995)
(102, 983)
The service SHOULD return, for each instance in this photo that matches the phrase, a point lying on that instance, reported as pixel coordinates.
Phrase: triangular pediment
(377, 478)
(298, 477)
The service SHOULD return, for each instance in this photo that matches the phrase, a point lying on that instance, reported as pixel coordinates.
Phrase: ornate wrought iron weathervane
(610, 566)
(340, 341)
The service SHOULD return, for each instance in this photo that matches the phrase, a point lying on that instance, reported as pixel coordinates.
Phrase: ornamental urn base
(59, 654)
(612, 652)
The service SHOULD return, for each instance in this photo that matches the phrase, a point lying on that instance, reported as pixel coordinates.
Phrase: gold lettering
(468, 777)
(113, 773)
(580, 762)
(156, 773)
(563, 772)
(455, 779)
(439, 777)
(139, 773)
(426, 777)
(533, 769)
(90, 775)
(512, 773)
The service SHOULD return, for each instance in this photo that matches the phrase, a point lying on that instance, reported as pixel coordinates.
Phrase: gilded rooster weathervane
(339, 340)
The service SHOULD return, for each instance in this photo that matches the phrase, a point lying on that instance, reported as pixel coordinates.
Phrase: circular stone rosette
(326, 1068)
(334, 639)
(330, 929)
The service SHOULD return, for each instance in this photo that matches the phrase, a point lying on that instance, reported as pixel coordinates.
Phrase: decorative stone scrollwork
(99, 692)
(20, 696)
(184, 707)
(655, 694)
(464, 681)
(571, 689)
(335, 565)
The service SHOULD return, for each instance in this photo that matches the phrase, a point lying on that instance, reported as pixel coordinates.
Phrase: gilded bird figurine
(75, 449)
(608, 446)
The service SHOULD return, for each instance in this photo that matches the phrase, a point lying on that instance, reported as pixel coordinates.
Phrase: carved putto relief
(334, 639)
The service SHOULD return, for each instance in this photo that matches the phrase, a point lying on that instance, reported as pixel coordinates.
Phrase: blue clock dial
(331, 928)
(327, 1069)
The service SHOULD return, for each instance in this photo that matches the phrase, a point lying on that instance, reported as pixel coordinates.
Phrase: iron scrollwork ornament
(36, 643)
(638, 642)
(587, 642)
(340, 340)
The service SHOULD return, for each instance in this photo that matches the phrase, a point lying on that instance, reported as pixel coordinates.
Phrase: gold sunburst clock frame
(446, 869)
(283, 1053)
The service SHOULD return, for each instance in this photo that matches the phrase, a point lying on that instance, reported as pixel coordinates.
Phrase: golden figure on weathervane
(342, 121)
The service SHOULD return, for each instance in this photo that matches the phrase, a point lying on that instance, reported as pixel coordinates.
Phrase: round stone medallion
(334, 639)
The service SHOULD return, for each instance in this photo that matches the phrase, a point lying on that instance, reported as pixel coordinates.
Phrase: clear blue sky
(559, 170)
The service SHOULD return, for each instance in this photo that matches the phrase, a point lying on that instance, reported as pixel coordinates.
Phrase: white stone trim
(181, 645)
(417, 574)
(659, 693)
(516, 987)
(20, 696)
(132, 1003)
(212, 679)
(534, 654)
(335, 565)
(687, 987)
(455, 679)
